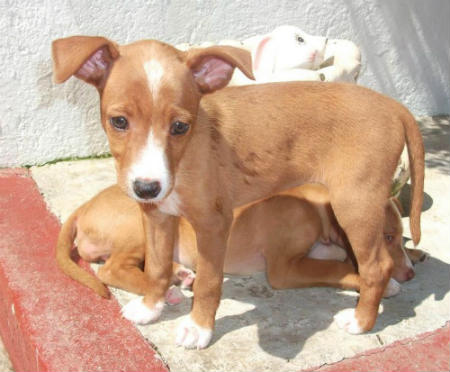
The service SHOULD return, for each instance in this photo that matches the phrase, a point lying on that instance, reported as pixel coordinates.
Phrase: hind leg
(287, 264)
(302, 272)
(125, 272)
(362, 218)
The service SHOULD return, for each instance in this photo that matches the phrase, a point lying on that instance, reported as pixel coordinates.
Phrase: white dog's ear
(87, 57)
(264, 55)
(213, 67)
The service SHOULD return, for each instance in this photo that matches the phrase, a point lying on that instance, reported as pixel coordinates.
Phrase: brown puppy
(279, 235)
(182, 152)
(109, 228)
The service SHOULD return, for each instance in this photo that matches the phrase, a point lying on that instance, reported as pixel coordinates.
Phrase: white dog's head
(285, 48)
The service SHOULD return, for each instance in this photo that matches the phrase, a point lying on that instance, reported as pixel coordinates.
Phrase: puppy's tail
(63, 248)
(416, 154)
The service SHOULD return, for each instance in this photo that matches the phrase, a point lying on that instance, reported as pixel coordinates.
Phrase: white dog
(288, 54)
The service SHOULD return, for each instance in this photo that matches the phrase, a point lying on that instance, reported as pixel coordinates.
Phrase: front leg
(212, 235)
(160, 230)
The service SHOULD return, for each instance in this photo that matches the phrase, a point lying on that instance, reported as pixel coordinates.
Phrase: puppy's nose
(410, 274)
(146, 190)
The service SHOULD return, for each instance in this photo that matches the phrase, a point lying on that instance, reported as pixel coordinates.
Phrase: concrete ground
(261, 329)
(5, 364)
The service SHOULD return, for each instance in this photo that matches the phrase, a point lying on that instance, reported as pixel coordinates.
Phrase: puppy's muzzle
(145, 189)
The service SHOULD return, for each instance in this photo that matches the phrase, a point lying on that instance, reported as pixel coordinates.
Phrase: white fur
(137, 312)
(346, 320)
(191, 336)
(170, 205)
(408, 262)
(392, 288)
(155, 73)
(291, 54)
(151, 165)
(284, 58)
(321, 251)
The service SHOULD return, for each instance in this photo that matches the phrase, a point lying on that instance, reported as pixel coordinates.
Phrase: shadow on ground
(286, 319)
(436, 135)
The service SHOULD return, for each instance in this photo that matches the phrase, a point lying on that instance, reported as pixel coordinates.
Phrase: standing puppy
(181, 151)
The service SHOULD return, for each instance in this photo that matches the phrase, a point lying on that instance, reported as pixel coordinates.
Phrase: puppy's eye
(119, 122)
(389, 238)
(300, 39)
(178, 128)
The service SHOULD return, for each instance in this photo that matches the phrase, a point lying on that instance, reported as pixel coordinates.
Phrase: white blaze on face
(150, 165)
(155, 73)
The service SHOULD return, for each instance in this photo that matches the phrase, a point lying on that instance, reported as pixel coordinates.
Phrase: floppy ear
(213, 67)
(264, 58)
(87, 57)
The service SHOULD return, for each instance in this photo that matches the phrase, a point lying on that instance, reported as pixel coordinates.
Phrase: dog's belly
(237, 262)
(184, 255)
(91, 251)
(244, 264)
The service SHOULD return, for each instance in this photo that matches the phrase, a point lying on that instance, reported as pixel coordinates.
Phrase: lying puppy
(288, 54)
(280, 235)
(109, 228)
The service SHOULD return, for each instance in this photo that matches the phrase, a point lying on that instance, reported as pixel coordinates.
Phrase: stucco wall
(405, 47)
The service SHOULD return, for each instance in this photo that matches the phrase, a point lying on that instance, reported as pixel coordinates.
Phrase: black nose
(146, 190)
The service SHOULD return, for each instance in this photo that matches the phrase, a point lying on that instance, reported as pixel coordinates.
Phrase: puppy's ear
(213, 67)
(264, 58)
(87, 57)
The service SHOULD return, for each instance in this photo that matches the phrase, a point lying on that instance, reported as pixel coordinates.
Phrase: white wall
(405, 46)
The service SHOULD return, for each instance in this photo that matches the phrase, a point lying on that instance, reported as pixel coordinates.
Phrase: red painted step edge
(426, 352)
(47, 321)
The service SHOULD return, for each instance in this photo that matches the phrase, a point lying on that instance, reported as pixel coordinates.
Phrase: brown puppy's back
(323, 132)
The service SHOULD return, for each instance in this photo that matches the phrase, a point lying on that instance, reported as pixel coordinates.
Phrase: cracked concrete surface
(262, 329)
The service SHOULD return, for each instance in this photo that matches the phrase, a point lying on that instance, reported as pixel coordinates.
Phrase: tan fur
(274, 235)
(246, 143)
(107, 227)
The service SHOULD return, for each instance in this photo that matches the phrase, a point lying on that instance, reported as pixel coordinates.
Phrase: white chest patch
(155, 73)
(170, 205)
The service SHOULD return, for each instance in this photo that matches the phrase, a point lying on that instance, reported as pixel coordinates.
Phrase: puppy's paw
(174, 296)
(187, 278)
(137, 312)
(392, 288)
(346, 320)
(191, 336)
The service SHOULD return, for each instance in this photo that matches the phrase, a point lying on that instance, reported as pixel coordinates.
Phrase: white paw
(392, 288)
(191, 336)
(137, 312)
(346, 319)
